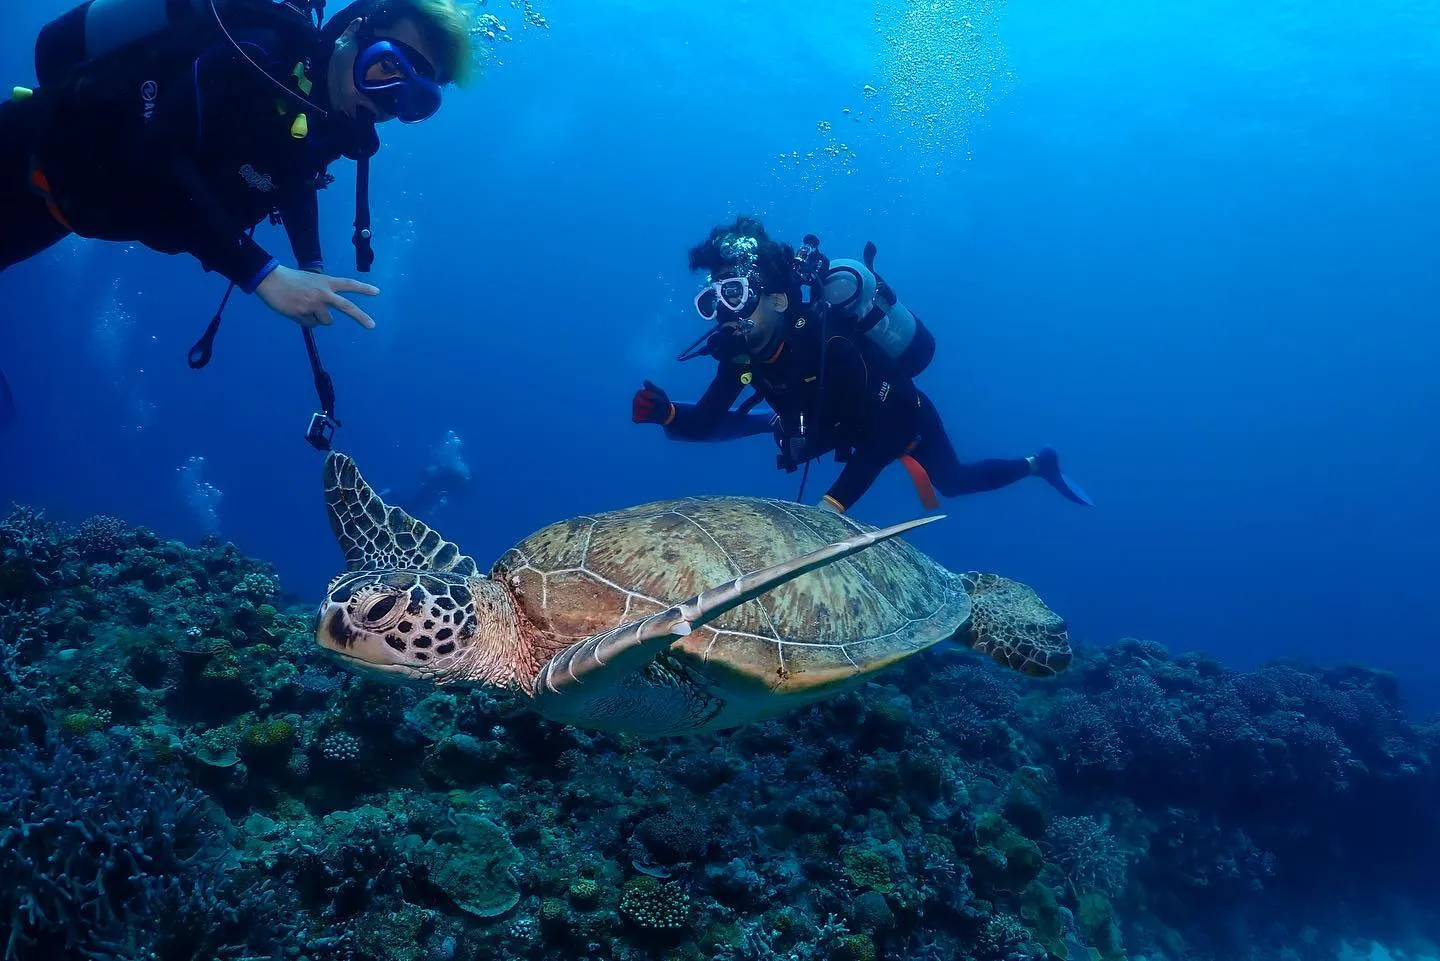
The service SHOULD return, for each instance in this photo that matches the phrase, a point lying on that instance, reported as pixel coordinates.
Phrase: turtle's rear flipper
(590, 668)
(1010, 623)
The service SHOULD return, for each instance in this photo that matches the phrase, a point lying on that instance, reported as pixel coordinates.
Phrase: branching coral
(101, 858)
(1087, 854)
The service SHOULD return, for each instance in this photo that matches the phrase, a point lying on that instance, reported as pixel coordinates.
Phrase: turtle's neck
(497, 654)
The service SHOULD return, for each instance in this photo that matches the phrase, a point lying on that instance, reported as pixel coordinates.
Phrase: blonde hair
(447, 25)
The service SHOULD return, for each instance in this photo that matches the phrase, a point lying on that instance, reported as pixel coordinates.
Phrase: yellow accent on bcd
(21, 93)
(746, 377)
(300, 129)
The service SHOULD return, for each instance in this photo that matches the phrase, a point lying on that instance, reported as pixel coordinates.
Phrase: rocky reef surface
(185, 775)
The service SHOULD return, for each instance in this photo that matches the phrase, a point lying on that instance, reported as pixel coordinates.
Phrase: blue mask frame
(413, 96)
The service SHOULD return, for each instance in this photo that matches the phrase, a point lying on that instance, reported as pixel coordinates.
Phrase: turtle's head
(416, 624)
(406, 602)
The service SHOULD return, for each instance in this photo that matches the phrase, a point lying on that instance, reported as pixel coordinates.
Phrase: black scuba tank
(98, 31)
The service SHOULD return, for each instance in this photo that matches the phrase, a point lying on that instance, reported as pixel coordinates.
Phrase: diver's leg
(951, 478)
(26, 231)
(936, 454)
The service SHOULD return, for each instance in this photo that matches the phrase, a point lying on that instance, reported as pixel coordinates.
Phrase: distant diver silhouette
(7, 403)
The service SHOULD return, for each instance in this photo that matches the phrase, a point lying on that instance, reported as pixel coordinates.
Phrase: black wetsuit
(181, 152)
(869, 413)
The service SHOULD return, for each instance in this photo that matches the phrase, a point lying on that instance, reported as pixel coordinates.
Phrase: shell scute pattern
(662, 556)
(590, 574)
(589, 606)
(559, 546)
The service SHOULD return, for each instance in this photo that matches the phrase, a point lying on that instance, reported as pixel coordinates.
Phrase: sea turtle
(669, 618)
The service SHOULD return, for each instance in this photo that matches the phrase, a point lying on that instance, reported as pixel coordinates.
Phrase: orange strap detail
(42, 185)
(922, 483)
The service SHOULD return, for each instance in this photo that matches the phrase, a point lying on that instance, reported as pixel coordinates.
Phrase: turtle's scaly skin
(818, 635)
(1014, 626)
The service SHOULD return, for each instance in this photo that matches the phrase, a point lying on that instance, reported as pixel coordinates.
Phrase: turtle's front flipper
(375, 536)
(588, 669)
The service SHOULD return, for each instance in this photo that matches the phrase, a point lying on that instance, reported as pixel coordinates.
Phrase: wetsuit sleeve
(214, 237)
(858, 476)
(300, 209)
(697, 420)
(734, 426)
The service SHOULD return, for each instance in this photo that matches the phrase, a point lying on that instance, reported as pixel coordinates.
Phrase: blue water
(1193, 247)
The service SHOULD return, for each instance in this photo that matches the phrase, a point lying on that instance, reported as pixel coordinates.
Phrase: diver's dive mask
(732, 304)
(732, 295)
(398, 80)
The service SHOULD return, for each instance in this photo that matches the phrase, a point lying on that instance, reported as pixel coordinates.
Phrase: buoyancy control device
(88, 39)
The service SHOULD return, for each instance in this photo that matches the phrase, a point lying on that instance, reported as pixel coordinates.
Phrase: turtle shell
(823, 632)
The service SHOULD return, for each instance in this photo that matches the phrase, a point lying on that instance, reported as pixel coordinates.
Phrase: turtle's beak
(335, 633)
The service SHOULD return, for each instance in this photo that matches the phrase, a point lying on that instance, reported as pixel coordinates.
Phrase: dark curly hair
(745, 243)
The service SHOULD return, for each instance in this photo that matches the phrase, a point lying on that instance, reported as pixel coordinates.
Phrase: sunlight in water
(945, 65)
(935, 71)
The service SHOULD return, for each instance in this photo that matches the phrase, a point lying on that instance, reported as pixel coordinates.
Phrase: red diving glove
(651, 406)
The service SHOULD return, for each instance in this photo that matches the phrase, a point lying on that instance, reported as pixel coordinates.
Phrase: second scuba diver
(827, 345)
(181, 126)
(447, 477)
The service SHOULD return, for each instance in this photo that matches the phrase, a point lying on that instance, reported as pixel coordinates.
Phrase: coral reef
(185, 775)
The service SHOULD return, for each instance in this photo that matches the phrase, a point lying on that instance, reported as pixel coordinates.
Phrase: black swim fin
(7, 403)
(1047, 466)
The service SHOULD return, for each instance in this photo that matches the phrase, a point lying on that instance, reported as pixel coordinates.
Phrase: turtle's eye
(380, 608)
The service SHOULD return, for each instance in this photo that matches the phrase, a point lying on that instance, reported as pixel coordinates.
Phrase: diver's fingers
(348, 286)
(360, 317)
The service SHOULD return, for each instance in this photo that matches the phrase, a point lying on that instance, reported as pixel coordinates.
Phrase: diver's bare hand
(307, 298)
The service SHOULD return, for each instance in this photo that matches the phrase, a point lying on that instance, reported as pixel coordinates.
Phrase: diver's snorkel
(700, 346)
(723, 341)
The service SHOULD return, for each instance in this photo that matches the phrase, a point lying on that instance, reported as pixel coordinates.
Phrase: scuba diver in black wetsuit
(181, 124)
(7, 403)
(445, 478)
(833, 353)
